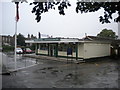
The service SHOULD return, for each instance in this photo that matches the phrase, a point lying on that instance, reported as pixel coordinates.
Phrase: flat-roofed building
(85, 48)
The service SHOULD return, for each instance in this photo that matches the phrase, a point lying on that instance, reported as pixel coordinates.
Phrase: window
(43, 46)
(63, 46)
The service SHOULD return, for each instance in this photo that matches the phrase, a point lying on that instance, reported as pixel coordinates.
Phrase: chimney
(85, 34)
(28, 36)
(39, 35)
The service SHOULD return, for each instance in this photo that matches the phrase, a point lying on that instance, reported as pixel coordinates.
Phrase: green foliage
(7, 48)
(20, 40)
(84, 7)
(32, 47)
(109, 9)
(42, 7)
(107, 33)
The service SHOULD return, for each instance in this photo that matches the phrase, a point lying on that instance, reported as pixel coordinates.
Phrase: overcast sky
(52, 23)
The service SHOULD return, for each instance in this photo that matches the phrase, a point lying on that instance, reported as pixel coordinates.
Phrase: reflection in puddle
(22, 62)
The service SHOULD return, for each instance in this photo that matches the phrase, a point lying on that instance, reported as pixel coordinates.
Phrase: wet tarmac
(22, 62)
(55, 74)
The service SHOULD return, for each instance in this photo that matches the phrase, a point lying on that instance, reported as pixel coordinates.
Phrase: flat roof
(63, 40)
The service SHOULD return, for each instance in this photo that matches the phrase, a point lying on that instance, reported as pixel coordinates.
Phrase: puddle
(22, 62)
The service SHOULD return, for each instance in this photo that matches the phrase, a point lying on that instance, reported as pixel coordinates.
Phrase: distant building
(30, 37)
(7, 40)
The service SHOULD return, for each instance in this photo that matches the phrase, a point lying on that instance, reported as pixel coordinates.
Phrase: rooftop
(69, 40)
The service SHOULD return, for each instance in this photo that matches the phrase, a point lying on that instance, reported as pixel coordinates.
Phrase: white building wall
(119, 30)
(42, 51)
(92, 50)
(81, 50)
(63, 53)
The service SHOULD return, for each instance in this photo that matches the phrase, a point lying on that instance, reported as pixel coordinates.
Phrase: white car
(19, 51)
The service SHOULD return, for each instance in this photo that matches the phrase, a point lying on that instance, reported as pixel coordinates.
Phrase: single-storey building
(85, 48)
(115, 45)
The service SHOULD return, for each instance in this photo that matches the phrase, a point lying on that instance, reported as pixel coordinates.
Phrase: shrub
(7, 48)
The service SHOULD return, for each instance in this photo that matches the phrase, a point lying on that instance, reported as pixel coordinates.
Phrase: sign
(48, 39)
(69, 51)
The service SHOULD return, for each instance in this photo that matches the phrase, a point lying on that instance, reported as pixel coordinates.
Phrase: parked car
(27, 50)
(19, 51)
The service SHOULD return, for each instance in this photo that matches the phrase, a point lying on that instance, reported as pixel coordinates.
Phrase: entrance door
(53, 50)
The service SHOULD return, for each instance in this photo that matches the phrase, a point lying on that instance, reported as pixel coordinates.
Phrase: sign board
(48, 39)
(69, 51)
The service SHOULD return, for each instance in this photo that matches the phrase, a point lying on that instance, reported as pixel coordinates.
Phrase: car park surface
(55, 74)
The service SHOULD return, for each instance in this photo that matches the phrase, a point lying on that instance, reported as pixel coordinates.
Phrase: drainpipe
(36, 49)
(76, 51)
(57, 50)
(48, 49)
